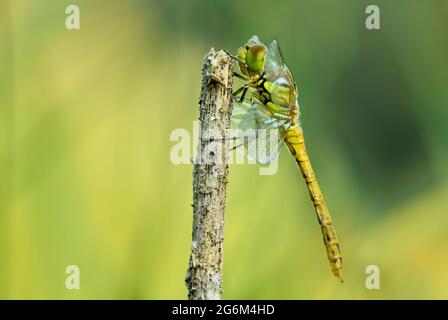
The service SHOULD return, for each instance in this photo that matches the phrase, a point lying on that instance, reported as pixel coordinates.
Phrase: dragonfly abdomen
(296, 143)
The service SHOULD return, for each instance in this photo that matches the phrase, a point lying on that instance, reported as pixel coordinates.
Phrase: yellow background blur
(86, 177)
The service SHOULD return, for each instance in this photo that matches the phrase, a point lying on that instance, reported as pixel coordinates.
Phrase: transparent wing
(255, 40)
(274, 63)
(284, 90)
(256, 133)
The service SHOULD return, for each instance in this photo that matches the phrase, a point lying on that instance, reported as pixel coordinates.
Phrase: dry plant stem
(204, 275)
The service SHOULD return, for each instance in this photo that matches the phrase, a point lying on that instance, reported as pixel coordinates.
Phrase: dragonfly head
(255, 57)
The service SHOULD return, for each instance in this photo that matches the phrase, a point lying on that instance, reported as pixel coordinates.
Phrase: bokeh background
(86, 177)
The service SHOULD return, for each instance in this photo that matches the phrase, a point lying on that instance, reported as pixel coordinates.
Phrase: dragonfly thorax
(278, 96)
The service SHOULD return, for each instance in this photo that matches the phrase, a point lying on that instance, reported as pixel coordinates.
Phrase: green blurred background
(86, 178)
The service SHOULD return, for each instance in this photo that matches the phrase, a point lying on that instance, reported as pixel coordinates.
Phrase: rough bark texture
(204, 275)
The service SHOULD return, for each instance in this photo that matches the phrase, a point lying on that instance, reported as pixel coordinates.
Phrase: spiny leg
(236, 147)
(243, 89)
(234, 57)
(237, 92)
(233, 94)
(243, 95)
(236, 74)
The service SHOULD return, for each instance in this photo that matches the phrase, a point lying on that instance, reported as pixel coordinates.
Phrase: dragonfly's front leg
(232, 95)
(243, 95)
(238, 75)
(243, 89)
(234, 57)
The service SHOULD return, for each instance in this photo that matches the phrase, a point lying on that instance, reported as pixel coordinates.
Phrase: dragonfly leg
(236, 147)
(223, 139)
(243, 95)
(234, 58)
(237, 92)
(232, 96)
(236, 74)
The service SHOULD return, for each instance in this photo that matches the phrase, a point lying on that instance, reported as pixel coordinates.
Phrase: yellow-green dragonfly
(272, 105)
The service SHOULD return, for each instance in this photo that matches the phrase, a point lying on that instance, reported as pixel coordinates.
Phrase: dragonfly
(268, 101)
